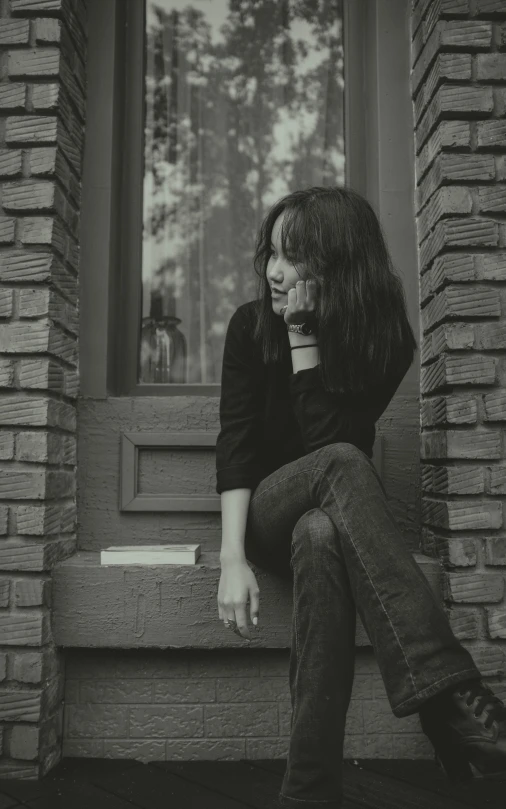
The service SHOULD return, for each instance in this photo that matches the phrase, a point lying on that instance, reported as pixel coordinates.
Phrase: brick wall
(213, 704)
(459, 98)
(42, 97)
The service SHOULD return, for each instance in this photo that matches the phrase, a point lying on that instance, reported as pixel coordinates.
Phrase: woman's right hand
(237, 584)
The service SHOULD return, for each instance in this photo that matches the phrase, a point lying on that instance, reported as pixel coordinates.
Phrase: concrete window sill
(169, 606)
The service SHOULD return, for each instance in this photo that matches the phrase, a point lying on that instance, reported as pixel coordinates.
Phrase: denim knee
(342, 451)
(313, 531)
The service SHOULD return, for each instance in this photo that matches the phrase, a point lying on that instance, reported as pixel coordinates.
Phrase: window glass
(243, 104)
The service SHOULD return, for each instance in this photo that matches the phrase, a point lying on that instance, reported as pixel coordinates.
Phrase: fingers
(254, 607)
(311, 291)
(236, 619)
(242, 624)
(305, 294)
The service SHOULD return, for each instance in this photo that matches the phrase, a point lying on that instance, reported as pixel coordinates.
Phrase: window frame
(111, 222)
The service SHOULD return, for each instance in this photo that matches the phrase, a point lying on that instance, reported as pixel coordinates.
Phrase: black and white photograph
(252, 404)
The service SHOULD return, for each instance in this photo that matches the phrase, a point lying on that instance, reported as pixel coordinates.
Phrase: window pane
(243, 104)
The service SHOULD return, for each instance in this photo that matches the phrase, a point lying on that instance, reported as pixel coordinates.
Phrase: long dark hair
(362, 324)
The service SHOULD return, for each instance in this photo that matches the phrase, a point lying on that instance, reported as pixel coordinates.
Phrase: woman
(308, 369)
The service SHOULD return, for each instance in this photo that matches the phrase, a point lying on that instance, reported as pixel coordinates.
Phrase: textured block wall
(155, 705)
(42, 105)
(459, 103)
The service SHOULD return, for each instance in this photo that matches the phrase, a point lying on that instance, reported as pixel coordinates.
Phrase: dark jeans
(324, 520)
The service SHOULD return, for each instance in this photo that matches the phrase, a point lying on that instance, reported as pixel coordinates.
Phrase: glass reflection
(243, 104)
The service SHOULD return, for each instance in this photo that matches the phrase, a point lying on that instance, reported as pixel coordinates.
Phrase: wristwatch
(300, 328)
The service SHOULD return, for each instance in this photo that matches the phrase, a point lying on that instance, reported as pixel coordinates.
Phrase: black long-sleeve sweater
(270, 416)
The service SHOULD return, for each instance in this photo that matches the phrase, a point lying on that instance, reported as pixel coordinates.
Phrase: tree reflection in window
(243, 104)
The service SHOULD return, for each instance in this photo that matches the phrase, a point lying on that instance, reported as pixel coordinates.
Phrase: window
(223, 107)
(243, 103)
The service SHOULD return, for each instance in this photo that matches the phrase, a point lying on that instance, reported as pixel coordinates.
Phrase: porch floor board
(87, 783)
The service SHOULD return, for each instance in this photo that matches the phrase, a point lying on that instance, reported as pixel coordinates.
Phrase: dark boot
(467, 727)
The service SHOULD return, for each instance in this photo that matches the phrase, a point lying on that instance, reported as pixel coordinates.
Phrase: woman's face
(281, 274)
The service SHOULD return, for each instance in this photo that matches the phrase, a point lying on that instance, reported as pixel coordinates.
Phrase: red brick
(489, 659)
(454, 267)
(470, 369)
(459, 302)
(24, 628)
(496, 622)
(491, 266)
(465, 623)
(474, 587)
(36, 6)
(489, 8)
(18, 769)
(456, 552)
(448, 200)
(495, 551)
(492, 199)
(445, 8)
(31, 129)
(5, 586)
(24, 742)
(42, 555)
(457, 232)
(24, 266)
(465, 34)
(14, 32)
(42, 337)
(491, 66)
(50, 518)
(31, 592)
(12, 96)
(495, 406)
(462, 515)
(10, 162)
(490, 134)
(451, 100)
(496, 479)
(451, 66)
(39, 62)
(6, 446)
(20, 706)
(47, 230)
(28, 195)
(7, 229)
(453, 479)
(47, 30)
(6, 373)
(6, 302)
(472, 444)
(491, 336)
(451, 409)
(453, 337)
(448, 135)
(27, 667)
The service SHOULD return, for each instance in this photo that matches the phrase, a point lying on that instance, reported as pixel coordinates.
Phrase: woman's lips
(275, 293)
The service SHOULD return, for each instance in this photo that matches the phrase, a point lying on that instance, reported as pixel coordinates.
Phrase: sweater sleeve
(240, 408)
(327, 418)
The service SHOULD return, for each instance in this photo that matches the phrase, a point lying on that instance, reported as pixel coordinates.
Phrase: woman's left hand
(301, 302)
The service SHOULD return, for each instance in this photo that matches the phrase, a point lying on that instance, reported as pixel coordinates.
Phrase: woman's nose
(275, 273)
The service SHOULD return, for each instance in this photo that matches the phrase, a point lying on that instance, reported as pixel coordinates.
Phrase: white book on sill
(150, 554)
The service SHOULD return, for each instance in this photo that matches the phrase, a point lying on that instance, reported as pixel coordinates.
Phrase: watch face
(305, 328)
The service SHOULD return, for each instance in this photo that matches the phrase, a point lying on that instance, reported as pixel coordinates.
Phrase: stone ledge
(170, 606)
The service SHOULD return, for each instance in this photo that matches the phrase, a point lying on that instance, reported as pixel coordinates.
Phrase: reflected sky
(227, 135)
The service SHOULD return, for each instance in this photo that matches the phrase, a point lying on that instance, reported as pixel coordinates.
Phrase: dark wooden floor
(83, 783)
